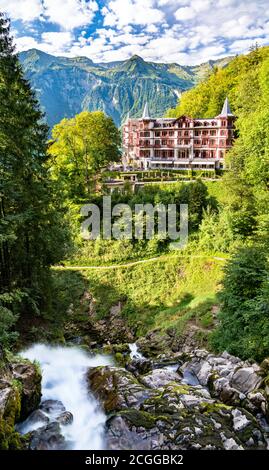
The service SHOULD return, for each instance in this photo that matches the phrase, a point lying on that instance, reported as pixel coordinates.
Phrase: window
(213, 132)
(186, 133)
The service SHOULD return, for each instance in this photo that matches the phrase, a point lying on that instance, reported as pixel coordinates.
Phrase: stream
(63, 378)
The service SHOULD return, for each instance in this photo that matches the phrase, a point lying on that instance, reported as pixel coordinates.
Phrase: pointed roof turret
(226, 110)
(146, 112)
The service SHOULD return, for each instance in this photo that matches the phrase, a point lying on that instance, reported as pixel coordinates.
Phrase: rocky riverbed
(178, 400)
(187, 401)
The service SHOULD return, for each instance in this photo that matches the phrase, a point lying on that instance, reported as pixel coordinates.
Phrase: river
(64, 379)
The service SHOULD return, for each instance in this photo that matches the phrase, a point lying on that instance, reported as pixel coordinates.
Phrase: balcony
(162, 159)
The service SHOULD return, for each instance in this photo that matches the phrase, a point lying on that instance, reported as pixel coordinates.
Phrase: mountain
(66, 86)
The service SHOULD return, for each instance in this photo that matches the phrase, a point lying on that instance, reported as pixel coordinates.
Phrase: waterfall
(134, 353)
(64, 378)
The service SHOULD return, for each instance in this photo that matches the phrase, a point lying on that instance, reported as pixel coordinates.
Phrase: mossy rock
(139, 418)
(120, 359)
(9, 438)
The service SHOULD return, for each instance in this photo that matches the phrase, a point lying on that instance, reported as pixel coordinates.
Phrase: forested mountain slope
(67, 86)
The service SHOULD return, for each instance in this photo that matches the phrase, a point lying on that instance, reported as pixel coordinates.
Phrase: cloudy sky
(182, 31)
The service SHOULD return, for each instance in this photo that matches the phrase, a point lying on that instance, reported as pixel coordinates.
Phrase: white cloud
(183, 31)
(151, 28)
(26, 10)
(124, 12)
(58, 41)
(50, 42)
(243, 45)
(185, 13)
(24, 43)
(68, 14)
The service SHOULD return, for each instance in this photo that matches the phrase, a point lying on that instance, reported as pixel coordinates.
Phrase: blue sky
(184, 31)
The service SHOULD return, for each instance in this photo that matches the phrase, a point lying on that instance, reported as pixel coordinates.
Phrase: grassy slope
(155, 294)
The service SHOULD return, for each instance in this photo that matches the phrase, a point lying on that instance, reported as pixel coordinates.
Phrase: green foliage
(245, 82)
(217, 233)
(156, 293)
(102, 251)
(31, 229)
(81, 148)
(244, 316)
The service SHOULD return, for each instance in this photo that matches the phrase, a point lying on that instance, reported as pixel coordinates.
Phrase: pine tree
(31, 236)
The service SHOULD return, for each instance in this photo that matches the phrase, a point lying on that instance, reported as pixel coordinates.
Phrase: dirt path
(134, 263)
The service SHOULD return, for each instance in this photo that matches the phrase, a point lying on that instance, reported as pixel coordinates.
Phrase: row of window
(164, 143)
(186, 133)
(169, 154)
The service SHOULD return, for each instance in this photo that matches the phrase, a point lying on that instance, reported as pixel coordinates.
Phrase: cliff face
(67, 86)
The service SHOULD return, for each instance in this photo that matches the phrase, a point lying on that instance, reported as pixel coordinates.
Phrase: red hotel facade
(183, 143)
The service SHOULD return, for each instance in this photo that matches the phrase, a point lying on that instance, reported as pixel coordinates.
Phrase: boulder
(10, 404)
(65, 418)
(52, 407)
(159, 377)
(116, 388)
(47, 438)
(158, 411)
(246, 379)
(30, 379)
(37, 419)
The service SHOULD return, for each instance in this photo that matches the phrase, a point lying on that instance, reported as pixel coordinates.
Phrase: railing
(161, 159)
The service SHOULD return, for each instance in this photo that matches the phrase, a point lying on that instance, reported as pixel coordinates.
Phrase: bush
(244, 315)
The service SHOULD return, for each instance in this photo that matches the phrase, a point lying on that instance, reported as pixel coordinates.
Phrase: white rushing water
(134, 353)
(63, 378)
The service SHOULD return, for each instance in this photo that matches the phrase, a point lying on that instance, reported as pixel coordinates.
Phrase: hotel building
(183, 143)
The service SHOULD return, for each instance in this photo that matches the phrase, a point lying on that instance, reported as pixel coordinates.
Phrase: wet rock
(65, 418)
(30, 378)
(240, 420)
(116, 388)
(47, 438)
(123, 435)
(36, 420)
(9, 414)
(230, 444)
(155, 343)
(246, 379)
(170, 414)
(139, 366)
(52, 407)
(265, 367)
(159, 377)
